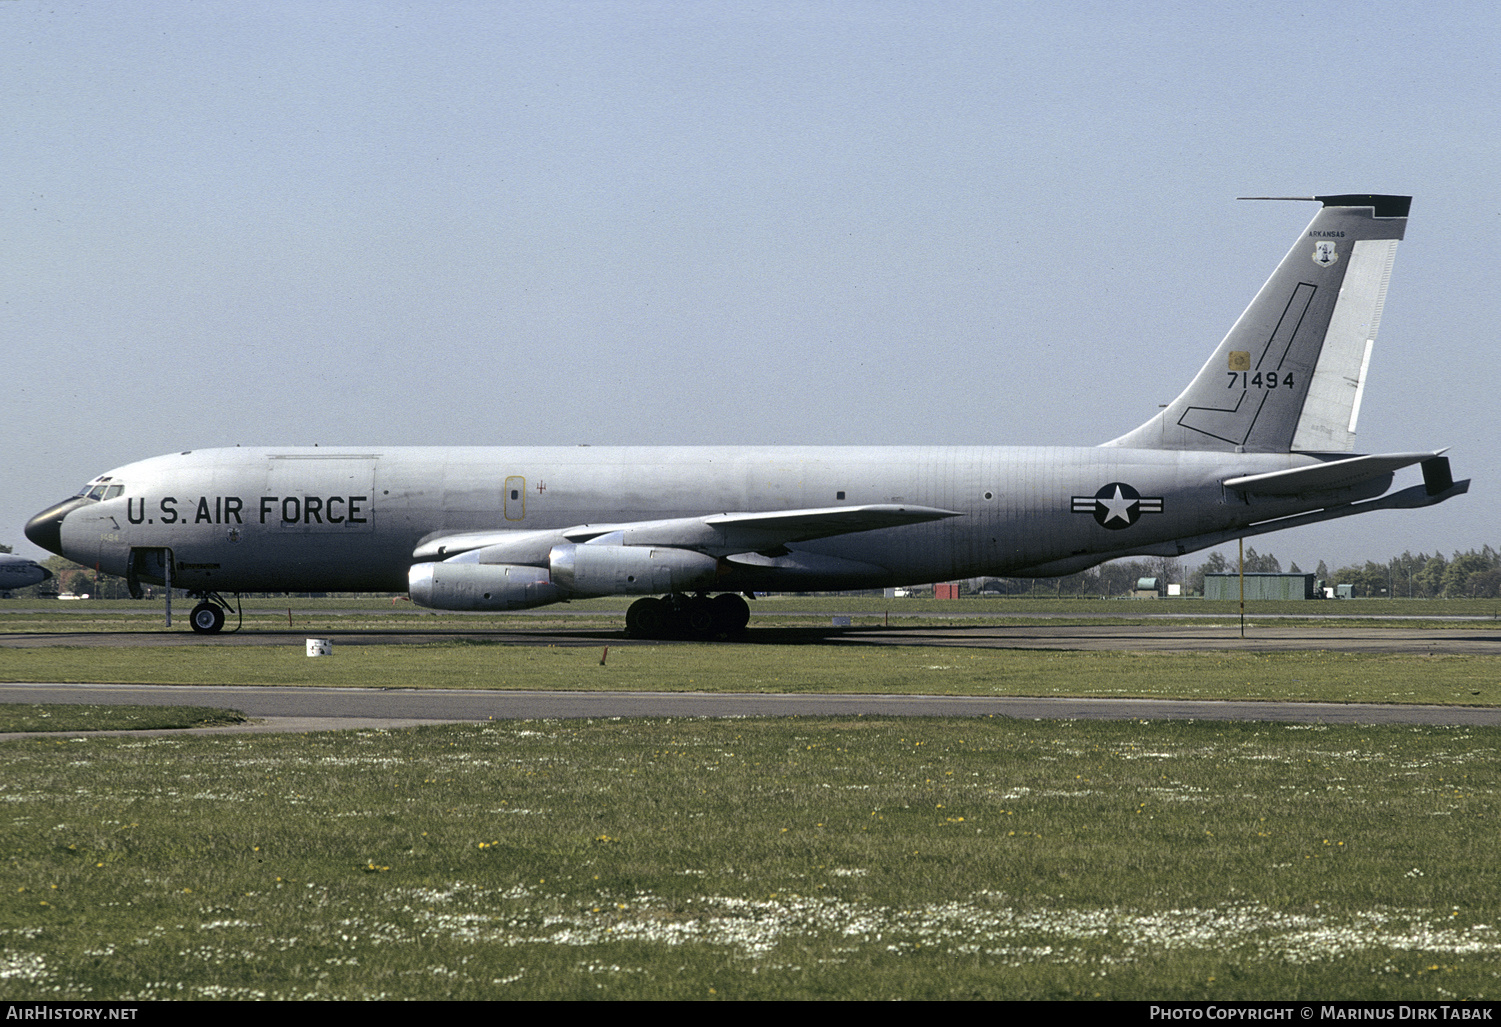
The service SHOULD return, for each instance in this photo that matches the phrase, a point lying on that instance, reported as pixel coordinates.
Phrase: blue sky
(846, 223)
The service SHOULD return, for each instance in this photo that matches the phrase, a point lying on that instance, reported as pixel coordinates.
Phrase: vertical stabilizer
(1291, 372)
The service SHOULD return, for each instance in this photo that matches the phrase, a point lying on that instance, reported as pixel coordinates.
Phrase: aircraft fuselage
(325, 519)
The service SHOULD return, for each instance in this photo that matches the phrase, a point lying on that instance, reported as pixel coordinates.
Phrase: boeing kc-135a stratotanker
(1262, 439)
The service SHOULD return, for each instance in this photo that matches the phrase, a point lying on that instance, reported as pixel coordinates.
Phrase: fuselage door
(515, 504)
(150, 564)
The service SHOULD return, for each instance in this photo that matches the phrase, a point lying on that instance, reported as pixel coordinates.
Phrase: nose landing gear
(207, 617)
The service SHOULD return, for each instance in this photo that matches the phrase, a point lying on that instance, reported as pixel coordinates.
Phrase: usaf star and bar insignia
(1117, 505)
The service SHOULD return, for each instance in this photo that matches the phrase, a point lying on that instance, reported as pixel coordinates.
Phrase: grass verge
(1298, 676)
(381, 614)
(84, 717)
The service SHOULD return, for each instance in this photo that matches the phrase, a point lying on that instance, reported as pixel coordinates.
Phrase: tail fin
(1290, 374)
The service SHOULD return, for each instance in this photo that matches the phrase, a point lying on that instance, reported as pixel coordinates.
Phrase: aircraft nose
(46, 528)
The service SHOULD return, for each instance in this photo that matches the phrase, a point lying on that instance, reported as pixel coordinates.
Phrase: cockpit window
(101, 488)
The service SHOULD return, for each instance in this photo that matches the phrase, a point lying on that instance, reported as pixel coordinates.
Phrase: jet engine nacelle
(613, 570)
(480, 586)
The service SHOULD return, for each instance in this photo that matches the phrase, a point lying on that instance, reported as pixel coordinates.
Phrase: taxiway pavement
(318, 709)
(323, 709)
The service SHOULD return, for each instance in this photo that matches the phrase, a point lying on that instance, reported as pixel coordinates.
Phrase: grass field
(798, 858)
(794, 858)
(33, 615)
(82, 717)
(1321, 676)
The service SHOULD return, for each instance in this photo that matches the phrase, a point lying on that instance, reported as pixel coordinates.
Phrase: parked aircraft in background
(1261, 439)
(18, 572)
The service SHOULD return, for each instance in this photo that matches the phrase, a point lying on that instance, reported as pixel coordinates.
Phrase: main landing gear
(683, 616)
(207, 617)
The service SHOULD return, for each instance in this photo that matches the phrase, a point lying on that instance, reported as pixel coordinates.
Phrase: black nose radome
(46, 528)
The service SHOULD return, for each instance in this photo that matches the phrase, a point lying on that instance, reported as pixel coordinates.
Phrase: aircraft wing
(1336, 474)
(727, 533)
(720, 534)
(440, 546)
(770, 532)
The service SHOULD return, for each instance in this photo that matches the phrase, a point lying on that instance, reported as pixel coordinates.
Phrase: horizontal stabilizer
(1326, 477)
(1413, 498)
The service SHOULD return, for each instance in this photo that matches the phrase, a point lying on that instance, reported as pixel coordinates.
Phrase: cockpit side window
(113, 491)
(97, 492)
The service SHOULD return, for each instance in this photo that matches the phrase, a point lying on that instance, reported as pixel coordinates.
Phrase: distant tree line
(1469, 575)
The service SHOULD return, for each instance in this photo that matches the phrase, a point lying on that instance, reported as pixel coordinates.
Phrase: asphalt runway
(325, 709)
(321, 709)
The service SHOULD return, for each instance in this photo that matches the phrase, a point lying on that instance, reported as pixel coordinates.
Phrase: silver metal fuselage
(348, 519)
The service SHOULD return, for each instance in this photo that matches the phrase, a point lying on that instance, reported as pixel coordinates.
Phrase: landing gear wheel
(207, 619)
(699, 619)
(731, 612)
(646, 618)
